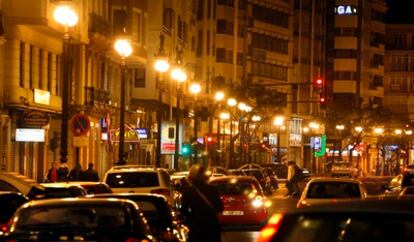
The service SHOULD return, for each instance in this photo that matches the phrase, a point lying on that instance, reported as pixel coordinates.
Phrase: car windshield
(237, 188)
(132, 179)
(61, 192)
(255, 173)
(86, 216)
(333, 190)
(349, 228)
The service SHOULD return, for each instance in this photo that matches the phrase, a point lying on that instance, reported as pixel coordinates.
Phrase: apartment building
(399, 63)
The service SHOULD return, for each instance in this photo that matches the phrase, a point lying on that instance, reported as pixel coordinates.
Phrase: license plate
(233, 213)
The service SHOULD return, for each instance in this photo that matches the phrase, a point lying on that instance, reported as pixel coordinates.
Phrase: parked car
(398, 183)
(63, 190)
(279, 168)
(135, 179)
(322, 190)
(9, 203)
(258, 174)
(15, 182)
(78, 219)
(344, 169)
(357, 220)
(165, 226)
(243, 200)
(93, 187)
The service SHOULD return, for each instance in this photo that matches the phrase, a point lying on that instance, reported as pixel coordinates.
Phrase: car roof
(7, 193)
(25, 184)
(332, 179)
(139, 195)
(227, 178)
(132, 168)
(60, 185)
(86, 183)
(395, 206)
(74, 201)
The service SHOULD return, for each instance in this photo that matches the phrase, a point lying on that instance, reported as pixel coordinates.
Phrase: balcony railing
(95, 96)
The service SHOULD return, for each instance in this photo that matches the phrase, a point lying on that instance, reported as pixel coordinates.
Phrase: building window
(224, 27)
(346, 32)
(199, 43)
(139, 77)
(168, 18)
(345, 53)
(221, 55)
(270, 16)
(344, 75)
(229, 3)
(49, 71)
(58, 75)
(377, 39)
(400, 63)
(31, 62)
(240, 59)
(269, 70)
(22, 64)
(377, 60)
(269, 43)
(208, 43)
(398, 84)
(136, 26)
(119, 21)
(377, 15)
(200, 9)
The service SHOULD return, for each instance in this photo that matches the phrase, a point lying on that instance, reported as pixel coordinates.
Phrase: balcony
(97, 97)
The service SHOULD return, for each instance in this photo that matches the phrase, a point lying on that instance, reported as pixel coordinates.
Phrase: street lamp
(179, 76)
(195, 89)
(161, 65)
(67, 17)
(219, 96)
(278, 122)
(378, 131)
(359, 130)
(124, 49)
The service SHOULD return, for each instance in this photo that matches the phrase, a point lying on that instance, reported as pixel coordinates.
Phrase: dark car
(62, 190)
(272, 176)
(78, 219)
(9, 203)
(352, 221)
(158, 214)
(15, 182)
(279, 169)
(93, 187)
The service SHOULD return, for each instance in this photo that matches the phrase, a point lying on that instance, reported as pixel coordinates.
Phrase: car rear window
(62, 192)
(132, 179)
(348, 228)
(89, 216)
(333, 190)
(238, 188)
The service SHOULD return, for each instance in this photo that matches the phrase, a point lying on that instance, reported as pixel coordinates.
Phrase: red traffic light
(209, 139)
(319, 82)
(322, 100)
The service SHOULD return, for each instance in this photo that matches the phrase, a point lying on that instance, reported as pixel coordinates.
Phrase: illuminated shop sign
(345, 10)
(30, 135)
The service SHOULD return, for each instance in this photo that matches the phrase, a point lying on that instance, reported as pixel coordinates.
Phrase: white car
(323, 190)
(136, 179)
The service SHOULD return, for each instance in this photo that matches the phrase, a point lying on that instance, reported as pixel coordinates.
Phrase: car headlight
(257, 202)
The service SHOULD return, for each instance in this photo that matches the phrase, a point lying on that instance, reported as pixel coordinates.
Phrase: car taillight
(269, 231)
(3, 227)
(135, 240)
(162, 191)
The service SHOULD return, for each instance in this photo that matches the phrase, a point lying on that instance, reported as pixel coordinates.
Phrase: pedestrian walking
(200, 206)
(62, 173)
(293, 177)
(52, 174)
(90, 174)
(76, 173)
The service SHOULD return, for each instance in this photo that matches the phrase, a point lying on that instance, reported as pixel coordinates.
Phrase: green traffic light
(185, 150)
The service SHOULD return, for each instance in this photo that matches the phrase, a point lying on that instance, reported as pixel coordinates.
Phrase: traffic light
(209, 139)
(322, 101)
(318, 84)
(186, 150)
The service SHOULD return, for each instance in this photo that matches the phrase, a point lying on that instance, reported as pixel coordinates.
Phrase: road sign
(80, 124)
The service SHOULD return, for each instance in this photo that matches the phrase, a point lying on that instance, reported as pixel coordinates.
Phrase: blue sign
(316, 143)
(142, 133)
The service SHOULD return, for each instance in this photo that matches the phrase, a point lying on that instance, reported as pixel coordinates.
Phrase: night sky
(400, 11)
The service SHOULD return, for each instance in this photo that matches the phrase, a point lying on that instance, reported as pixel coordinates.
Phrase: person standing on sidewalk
(294, 174)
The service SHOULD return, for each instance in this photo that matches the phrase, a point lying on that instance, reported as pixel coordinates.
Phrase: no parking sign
(80, 124)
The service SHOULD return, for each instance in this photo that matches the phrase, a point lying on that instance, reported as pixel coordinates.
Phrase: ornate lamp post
(231, 102)
(219, 96)
(195, 89)
(161, 65)
(179, 75)
(124, 49)
(358, 130)
(67, 17)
